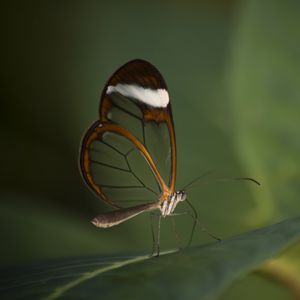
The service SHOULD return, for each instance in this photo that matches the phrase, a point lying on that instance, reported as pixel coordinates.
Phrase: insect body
(129, 154)
(136, 96)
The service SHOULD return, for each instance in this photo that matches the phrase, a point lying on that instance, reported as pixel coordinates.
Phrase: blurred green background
(233, 71)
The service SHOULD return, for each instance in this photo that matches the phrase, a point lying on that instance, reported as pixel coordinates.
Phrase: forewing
(137, 98)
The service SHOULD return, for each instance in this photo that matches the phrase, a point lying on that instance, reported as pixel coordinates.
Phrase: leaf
(194, 273)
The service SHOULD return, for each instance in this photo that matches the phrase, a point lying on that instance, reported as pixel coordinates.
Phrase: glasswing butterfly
(128, 156)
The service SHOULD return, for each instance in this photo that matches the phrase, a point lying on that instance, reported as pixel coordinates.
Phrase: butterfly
(128, 155)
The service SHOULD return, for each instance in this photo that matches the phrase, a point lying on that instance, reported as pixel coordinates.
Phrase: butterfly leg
(158, 237)
(177, 235)
(194, 225)
(155, 241)
(152, 233)
(194, 216)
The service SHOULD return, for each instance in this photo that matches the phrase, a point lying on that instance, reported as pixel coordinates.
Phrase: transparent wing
(130, 153)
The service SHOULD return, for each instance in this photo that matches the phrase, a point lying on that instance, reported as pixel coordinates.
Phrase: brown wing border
(146, 75)
(95, 132)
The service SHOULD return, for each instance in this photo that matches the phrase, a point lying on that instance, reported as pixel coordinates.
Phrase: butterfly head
(180, 195)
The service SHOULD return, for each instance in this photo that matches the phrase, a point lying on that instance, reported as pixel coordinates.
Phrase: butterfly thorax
(168, 206)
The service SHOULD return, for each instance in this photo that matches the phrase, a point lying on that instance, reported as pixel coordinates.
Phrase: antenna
(197, 179)
(191, 184)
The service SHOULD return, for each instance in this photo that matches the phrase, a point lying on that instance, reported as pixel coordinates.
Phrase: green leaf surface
(194, 273)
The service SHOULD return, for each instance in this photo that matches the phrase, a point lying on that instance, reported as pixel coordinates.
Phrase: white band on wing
(154, 98)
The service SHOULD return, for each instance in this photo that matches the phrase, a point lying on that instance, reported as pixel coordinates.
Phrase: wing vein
(127, 112)
(121, 186)
(140, 181)
(110, 166)
(112, 147)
